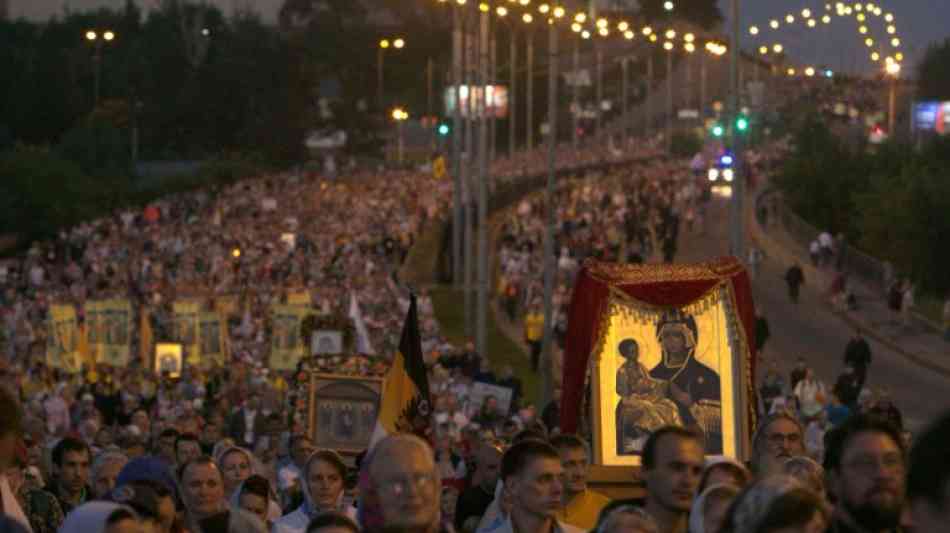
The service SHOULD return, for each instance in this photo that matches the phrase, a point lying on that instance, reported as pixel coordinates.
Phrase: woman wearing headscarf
(101, 517)
(323, 481)
(777, 503)
(710, 507)
(237, 465)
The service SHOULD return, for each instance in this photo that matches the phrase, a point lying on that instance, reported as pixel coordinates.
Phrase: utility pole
(737, 234)
(702, 84)
(669, 100)
(600, 86)
(513, 96)
(530, 89)
(492, 79)
(481, 324)
(648, 99)
(470, 65)
(457, 217)
(623, 91)
(550, 265)
(575, 102)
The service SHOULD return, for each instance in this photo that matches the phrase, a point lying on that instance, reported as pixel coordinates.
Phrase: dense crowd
(536, 482)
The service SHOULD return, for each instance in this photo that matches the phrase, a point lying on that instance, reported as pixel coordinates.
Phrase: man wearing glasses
(400, 487)
(779, 438)
(864, 461)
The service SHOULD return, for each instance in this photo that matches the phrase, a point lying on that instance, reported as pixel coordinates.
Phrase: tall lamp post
(529, 82)
(399, 115)
(98, 40)
(550, 266)
(669, 47)
(893, 70)
(384, 44)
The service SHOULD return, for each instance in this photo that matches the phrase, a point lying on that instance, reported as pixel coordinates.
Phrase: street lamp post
(481, 315)
(668, 46)
(623, 97)
(529, 82)
(550, 266)
(893, 71)
(384, 44)
(399, 115)
(513, 97)
(737, 237)
(98, 40)
(600, 85)
(648, 100)
(457, 213)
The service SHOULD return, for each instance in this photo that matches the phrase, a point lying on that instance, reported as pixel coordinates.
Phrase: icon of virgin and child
(679, 390)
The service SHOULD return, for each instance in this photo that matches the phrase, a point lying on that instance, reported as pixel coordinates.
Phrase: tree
(934, 73)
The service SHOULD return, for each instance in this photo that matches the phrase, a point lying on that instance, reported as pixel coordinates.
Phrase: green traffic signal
(443, 129)
(718, 130)
(742, 123)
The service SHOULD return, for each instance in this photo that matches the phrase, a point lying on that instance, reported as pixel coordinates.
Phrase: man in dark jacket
(858, 355)
(794, 277)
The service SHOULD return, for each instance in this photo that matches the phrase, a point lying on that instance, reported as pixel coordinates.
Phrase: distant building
(4, 9)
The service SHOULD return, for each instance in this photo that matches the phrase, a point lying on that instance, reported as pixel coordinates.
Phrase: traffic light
(742, 123)
(444, 129)
(718, 130)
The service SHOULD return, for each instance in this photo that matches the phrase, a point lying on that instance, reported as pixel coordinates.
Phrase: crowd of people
(868, 480)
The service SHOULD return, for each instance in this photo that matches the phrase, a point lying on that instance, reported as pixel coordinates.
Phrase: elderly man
(206, 510)
(105, 471)
(399, 487)
(582, 506)
(779, 438)
(865, 465)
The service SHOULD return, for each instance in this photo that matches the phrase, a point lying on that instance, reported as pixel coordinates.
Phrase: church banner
(212, 340)
(287, 345)
(62, 340)
(109, 326)
(186, 329)
(665, 345)
(228, 305)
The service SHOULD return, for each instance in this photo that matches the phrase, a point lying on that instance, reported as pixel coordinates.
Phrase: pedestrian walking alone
(794, 277)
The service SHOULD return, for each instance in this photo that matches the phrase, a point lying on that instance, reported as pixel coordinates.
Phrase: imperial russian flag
(405, 406)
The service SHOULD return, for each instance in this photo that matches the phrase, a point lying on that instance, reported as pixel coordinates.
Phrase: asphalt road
(809, 329)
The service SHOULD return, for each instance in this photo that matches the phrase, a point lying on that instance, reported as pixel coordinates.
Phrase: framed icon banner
(660, 345)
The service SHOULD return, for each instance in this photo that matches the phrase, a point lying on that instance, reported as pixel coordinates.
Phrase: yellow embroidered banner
(287, 347)
(109, 324)
(212, 334)
(62, 341)
(185, 329)
(228, 305)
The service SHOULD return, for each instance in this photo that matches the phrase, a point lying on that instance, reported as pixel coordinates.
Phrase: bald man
(475, 500)
(400, 487)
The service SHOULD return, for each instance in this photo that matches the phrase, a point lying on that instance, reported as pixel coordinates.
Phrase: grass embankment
(501, 350)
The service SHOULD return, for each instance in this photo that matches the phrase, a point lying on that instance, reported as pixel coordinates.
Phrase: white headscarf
(697, 515)
(91, 517)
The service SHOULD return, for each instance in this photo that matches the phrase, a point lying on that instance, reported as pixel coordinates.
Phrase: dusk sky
(919, 23)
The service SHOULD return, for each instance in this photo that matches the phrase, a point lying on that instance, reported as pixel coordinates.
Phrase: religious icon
(643, 406)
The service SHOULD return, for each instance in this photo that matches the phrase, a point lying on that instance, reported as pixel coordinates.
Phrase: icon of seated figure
(644, 403)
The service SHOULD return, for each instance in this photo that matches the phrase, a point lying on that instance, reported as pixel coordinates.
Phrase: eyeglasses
(397, 486)
(869, 465)
(778, 439)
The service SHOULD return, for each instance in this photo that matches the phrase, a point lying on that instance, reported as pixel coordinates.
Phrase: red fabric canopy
(658, 285)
